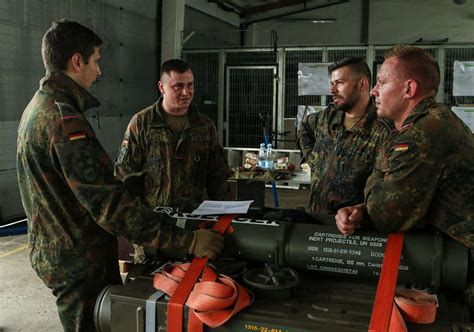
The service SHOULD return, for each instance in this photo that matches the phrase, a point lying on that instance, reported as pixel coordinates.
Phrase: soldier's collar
(336, 116)
(420, 110)
(363, 126)
(192, 113)
(57, 81)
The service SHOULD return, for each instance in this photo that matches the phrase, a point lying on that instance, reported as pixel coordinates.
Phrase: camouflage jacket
(68, 190)
(176, 166)
(341, 160)
(425, 173)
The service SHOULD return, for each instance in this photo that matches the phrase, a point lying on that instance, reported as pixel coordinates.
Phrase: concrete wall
(390, 22)
(128, 28)
(394, 22)
(345, 29)
(208, 32)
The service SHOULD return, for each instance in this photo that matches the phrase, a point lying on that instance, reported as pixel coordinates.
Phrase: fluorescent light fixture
(323, 20)
(310, 20)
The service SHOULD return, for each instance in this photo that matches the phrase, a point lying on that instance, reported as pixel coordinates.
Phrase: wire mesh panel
(339, 54)
(455, 54)
(206, 77)
(379, 53)
(292, 99)
(250, 91)
(246, 91)
(250, 58)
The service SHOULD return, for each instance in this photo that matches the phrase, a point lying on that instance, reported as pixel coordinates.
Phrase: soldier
(425, 172)
(174, 145)
(339, 143)
(71, 199)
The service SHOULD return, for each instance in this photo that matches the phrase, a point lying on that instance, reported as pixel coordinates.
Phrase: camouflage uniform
(341, 160)
(74, 204)
(425, 173)
(176, 166)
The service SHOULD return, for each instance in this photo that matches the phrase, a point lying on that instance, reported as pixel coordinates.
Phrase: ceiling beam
(227, 5)
(205, 7)
(305, 9)
(269, 6)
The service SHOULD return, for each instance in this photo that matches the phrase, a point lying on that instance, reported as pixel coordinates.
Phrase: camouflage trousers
(76, 283)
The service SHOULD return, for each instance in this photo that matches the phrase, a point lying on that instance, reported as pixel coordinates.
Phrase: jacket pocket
(155, 168)
(199, 159)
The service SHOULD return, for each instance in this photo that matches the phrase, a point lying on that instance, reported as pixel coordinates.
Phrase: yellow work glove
(206, 243)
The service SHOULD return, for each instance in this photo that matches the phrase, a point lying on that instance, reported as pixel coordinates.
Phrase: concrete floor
(28, 305)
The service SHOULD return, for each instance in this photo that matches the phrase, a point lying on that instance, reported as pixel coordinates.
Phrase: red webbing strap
(214, 299)
(416, 306)
(382, 309)
(175, 304)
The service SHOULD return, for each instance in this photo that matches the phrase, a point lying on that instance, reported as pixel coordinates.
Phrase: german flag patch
(77, 135)
(401, 147)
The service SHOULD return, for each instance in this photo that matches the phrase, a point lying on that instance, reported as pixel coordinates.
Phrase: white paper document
(313, 79)
(222, 207)
(466, 114)
(463, 78)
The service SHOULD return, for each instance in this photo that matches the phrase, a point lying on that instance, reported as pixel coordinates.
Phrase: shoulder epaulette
(67, 111)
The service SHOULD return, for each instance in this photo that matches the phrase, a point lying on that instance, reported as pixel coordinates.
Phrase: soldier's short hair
(65, 38)
(358, 67)
(176, 65)
(417, 64)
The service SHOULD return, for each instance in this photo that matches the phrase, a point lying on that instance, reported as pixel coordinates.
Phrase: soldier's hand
(348, 217)
(206, 243)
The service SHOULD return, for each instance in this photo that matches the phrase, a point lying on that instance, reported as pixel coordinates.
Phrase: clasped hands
(348, 217)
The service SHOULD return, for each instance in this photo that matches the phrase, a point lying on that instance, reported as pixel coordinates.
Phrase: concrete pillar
(173, 25)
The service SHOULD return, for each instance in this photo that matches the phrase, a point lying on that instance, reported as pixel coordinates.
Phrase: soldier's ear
(411, 88)
(75, 62)
(364, 84)
(160, 87)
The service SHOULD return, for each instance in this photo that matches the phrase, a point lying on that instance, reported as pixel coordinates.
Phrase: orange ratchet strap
(415, 306)
(213, 300)
(382, 309)
(210, 299)
(391, 309)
